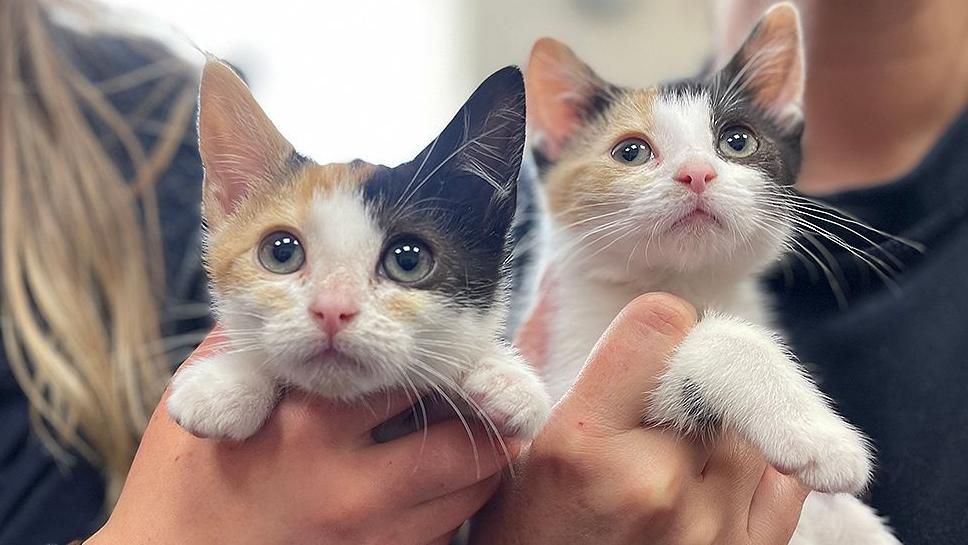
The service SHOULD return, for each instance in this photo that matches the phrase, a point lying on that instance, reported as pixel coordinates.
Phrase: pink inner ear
(240, 147)
(774, 50)
(558, 85)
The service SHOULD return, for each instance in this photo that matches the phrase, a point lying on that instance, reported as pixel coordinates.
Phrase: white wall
(377, 79)
(630, 42)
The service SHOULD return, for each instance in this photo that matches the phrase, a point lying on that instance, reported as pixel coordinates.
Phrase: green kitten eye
(632, 152)
(408, 260)
(738, 142)
(281, 253)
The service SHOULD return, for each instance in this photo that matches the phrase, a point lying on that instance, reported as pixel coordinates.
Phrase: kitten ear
(240, 147)
(562, 92)
(770, 64)
(485, 139)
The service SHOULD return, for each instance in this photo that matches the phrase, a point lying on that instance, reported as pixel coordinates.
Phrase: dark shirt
(42, 501)
(895, 360)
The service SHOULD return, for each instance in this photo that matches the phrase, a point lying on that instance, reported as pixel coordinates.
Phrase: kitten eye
(281, 253)
(632, 152)
(408, 260)
(738, 142)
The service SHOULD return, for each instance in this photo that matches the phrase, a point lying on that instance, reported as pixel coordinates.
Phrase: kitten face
(353, 278)
(680, 177)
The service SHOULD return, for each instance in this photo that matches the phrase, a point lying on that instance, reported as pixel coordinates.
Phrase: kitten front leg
(225, 396)
(840, 519)
(509, 392)
(732, 373)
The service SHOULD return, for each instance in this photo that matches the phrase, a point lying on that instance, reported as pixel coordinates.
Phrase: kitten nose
(696, 174)
(333, 313)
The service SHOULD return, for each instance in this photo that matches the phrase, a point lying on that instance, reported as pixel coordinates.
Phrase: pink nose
(332, 313)
(696, 174)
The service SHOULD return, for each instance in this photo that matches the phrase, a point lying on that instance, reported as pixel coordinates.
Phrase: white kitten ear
(770, 66)
(561, 92)
(240, 147)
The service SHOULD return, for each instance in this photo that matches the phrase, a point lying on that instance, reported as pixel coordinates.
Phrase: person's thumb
(629, 359)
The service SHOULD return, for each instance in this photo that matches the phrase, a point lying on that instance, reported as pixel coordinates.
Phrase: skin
(884, 81)
(595, 475)
(311, 475)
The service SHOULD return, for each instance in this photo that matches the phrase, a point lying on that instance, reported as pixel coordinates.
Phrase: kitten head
(680, 177)
(352, 278)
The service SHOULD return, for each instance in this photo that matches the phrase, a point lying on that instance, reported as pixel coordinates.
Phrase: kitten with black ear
(681, 188)
(347, 279)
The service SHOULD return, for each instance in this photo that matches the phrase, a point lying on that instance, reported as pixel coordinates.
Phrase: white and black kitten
(682, 188)
(347, 279)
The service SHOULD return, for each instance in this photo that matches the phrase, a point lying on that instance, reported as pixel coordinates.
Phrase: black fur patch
(459, 193)
(778, 156)
(296, 161)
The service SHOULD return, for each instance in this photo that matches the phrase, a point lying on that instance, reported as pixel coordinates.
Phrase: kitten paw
(827, 457)
(511, 396)
(219, 400)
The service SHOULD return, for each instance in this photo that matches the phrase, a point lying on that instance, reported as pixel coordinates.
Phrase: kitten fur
(339, 324)
(700, 223)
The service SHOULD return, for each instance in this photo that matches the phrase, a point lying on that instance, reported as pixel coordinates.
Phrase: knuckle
(344, 518)
(653, 497)
(661, 493)
(662, 312)
(701, 531)
(560, 455)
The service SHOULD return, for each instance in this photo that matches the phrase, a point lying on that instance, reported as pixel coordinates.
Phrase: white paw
(826, 455)
(840, 519)
(216, 399)
(740, 375)
(511, 396)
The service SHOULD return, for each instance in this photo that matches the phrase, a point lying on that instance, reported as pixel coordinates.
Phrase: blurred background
(378, 80)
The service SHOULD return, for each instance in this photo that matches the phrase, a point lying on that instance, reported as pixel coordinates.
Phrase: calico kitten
(680, 188)
(347, 279)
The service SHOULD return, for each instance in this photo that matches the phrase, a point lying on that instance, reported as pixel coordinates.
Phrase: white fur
(740, 372)
(437, 348)
(226, 395)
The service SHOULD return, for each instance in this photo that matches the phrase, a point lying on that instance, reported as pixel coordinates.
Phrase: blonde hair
(81, 251)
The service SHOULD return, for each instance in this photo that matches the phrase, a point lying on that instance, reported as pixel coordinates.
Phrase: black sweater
(896, 360)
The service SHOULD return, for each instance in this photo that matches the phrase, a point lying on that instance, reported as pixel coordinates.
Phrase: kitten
(680, 188)
(347, 279)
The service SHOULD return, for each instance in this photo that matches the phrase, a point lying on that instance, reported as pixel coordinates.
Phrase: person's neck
(884, 80)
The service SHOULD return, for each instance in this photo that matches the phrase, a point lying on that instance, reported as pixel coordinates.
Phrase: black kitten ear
(483, 143)
(769, 66)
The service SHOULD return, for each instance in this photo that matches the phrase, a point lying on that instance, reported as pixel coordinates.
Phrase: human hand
(312, 475)
(595, 475)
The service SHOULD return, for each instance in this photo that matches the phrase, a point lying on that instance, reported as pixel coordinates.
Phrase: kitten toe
(219, 401)
(511, 396)
(843, 464)
(832, 457)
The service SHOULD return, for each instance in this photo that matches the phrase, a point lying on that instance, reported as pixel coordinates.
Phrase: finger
(445, 539)
(628, 360)
(422, 466)
(436, 521)
(212, 342)
(733, 469)
(346, 422)
(775, 508)
(532, 338)
(426, 412)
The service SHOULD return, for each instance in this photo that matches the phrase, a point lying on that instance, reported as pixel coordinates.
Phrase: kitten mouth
(331, 356)
(699, 217)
